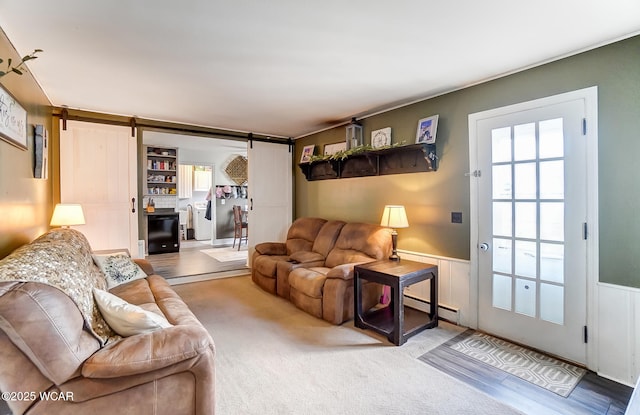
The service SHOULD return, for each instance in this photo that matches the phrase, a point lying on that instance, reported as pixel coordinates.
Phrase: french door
(531, 247)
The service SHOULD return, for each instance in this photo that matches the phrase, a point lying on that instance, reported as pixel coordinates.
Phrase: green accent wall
(430, 197)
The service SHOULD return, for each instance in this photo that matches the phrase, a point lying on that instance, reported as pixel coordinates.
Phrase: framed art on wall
(13, 120)
(427, 128)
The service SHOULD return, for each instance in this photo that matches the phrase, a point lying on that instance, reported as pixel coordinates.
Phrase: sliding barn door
(98, 169)
(270, 194)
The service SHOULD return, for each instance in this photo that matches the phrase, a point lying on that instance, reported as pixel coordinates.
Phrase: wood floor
(592, 395)
(191, 262)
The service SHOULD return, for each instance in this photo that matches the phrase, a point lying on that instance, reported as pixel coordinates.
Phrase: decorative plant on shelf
(344, 154)
(18, 68)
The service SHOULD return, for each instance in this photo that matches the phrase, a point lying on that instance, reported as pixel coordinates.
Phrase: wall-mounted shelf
(395, 160)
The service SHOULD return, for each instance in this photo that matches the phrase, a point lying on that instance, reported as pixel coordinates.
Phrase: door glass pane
(501, 181)
(526, 259)
(502, 218)
(552, 221)
(526, 220)
(551, 138)
(551, 179)
(502, 255)
(525, 180)
(525, 297)
(552, 262)
(552, 303)
(501, 144)
(524, 142)
(502, 292)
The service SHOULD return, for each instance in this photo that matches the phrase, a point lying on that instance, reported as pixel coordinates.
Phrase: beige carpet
(272, 358)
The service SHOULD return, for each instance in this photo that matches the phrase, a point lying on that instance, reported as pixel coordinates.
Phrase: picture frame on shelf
(381, 138)
(330, 149)
(13, 128)
(307, 152)
(427, 129)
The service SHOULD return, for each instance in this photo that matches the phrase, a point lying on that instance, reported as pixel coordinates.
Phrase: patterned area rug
(552, 374)
(227, 254)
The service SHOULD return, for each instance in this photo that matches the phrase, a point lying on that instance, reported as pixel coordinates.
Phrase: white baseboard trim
(444, 312)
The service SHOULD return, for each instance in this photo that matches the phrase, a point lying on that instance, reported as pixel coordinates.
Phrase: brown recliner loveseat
(318, 278)
(55, 362)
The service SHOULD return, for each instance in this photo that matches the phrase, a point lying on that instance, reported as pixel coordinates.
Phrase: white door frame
(590, 97)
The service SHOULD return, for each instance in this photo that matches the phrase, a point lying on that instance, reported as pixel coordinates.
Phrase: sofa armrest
(145, 265)
(148, 352)
(343, 271)
(271, 248)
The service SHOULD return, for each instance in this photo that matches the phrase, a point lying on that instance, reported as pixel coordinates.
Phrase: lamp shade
(67, 214)
(394, 216)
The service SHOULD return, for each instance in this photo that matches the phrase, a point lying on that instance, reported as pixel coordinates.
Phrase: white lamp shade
(394, 216)
(67, 214)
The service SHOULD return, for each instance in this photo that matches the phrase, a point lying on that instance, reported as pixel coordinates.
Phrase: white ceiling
(291, 67)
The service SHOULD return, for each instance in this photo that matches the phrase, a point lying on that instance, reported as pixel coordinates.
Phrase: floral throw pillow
(118, 268)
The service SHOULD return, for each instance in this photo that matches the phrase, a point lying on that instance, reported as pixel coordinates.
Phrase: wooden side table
(395, 321)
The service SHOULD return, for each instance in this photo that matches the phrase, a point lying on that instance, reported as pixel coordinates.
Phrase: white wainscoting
(614, 329)
(453, 287)
(618, 333)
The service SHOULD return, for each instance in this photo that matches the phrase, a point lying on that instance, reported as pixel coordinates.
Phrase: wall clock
(381, 138)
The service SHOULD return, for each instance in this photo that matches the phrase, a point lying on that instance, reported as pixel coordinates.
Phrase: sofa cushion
(360, 242)
(266, 264)
(302, 234)
(118, 268)
(309, 281)
(127, 319)
(327, 236)
(149, 351)
(46, 325)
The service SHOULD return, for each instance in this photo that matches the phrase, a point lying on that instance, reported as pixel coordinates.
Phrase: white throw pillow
(118, 268)
(127, 319)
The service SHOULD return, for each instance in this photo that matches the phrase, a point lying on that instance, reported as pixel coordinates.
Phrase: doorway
(533, 195)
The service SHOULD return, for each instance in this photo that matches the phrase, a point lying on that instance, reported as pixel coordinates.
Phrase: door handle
(251, 200)
(484, 246)
(133, 205)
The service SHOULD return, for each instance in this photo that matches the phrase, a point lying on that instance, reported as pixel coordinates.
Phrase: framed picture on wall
(307, 152)
(427, 128)
(13, 120)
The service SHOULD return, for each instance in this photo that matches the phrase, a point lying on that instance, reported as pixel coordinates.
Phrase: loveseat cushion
(360, 242)
(309, 281)
(302, 234)
(267, 264)
(327, 236)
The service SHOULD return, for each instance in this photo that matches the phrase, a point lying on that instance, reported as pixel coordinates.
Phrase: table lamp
(67, 214)
(394, 217)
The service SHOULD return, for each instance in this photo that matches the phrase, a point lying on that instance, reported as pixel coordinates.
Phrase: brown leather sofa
(52, 363)
(317, 276)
